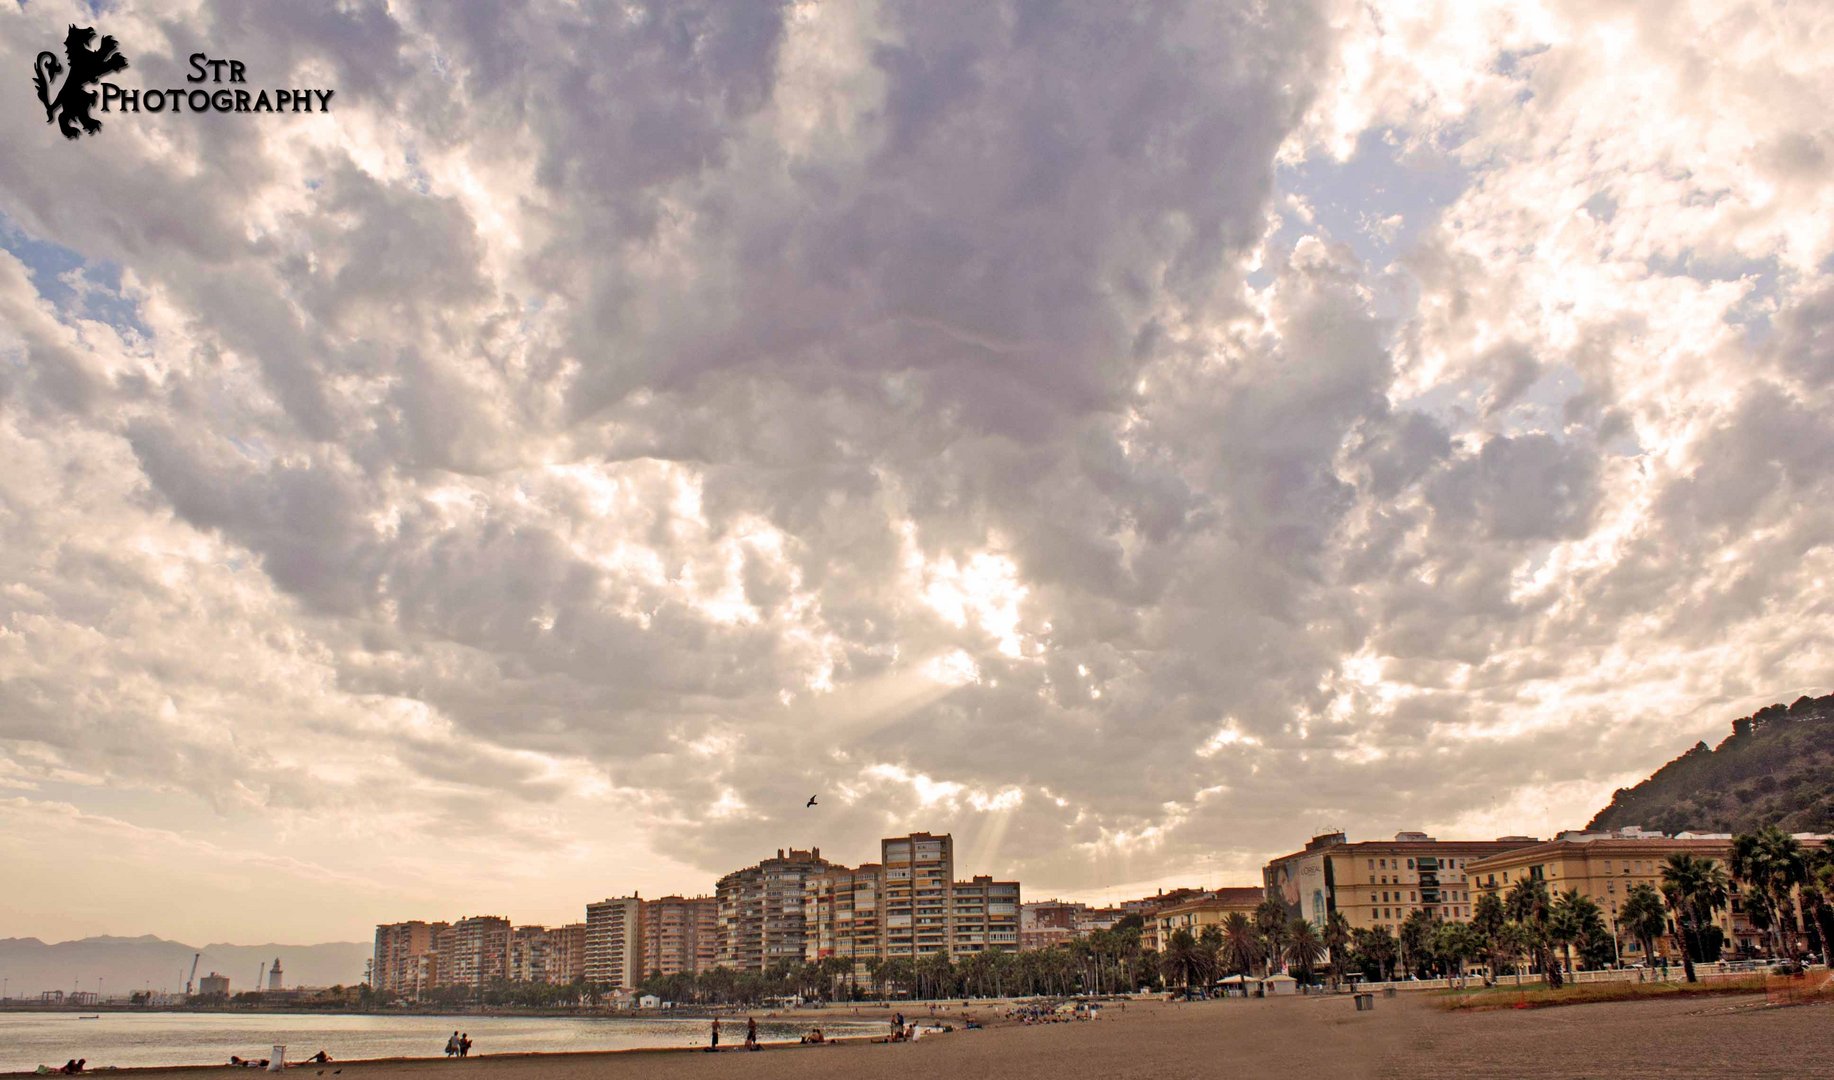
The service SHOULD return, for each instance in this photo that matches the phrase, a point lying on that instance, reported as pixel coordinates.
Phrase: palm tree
(1818, 899)
(1303, 949)
(1531, 908)
(1575, 918)
(1241, 944)
(1771, 863)
(1179, 962)
(1456, 943)
(1337, 944)
(1375, 950)
(1416, 936)
(1270, 920)
(1487, 919)
(1695, 889)
(1643, 918)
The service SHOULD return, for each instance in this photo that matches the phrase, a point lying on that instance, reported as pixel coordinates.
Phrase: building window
(1410, 864)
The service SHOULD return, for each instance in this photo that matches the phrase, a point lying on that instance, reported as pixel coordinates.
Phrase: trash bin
(1388, 991)
(1365, 1002)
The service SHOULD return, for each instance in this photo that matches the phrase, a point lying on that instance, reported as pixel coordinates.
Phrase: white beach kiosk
(1280, 985)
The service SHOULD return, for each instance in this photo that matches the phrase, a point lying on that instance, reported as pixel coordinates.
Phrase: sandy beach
(1310, 1037)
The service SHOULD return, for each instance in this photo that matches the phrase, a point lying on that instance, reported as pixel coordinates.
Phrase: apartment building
(841, 915)
(1044, 923)
(567, 953)
(614, 942)
(473, 952)
(531, 954)
(403, 957)
(1607, 865)
(680, 934)
(761, 920)
(983, 916)
(1379, 883)
(919, 869)
(1198, 913)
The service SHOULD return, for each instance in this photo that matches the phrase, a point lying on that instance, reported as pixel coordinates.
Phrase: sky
(1130, 438)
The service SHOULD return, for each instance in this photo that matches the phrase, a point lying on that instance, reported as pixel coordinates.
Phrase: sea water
(31, 1039)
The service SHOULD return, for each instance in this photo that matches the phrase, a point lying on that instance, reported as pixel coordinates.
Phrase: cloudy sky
(1129, 438)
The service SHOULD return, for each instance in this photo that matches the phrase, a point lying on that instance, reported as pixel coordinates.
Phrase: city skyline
(1132, 439)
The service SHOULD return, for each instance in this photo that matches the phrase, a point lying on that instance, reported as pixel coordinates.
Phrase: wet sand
(1405, 1036)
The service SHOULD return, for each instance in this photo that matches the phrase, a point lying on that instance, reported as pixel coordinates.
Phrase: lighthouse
(273, 975)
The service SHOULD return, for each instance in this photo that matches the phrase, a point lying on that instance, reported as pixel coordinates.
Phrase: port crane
(192, 981)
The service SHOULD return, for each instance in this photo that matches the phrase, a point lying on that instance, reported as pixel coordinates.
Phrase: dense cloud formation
(1126, 437)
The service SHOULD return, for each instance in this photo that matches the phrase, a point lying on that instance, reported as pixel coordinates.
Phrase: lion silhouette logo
(74, 99)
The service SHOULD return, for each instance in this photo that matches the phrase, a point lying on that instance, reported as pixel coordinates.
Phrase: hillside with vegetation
(1776, 768)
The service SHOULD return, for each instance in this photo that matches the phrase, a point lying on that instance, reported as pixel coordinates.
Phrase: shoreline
(440, 1060)
(1318, 1036)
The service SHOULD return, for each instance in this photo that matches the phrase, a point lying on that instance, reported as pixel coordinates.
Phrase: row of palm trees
(1770, 870)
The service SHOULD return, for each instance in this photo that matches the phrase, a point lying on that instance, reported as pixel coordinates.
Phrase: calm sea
(28, 1040)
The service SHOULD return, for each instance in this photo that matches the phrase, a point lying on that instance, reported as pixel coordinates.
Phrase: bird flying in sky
(810, 803)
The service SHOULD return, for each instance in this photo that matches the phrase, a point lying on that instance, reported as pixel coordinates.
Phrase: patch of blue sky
(1379, 200)
(75, 286)
(1753, 312)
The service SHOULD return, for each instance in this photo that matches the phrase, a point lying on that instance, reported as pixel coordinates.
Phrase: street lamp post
(1616, 957)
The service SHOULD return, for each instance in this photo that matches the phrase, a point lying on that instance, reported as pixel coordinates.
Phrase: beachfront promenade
(1320, 1036)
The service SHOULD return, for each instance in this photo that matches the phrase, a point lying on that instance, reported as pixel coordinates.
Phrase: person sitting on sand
(813, 1038)
(320, 1058)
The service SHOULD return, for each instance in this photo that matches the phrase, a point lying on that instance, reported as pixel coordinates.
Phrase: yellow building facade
(1606, 866)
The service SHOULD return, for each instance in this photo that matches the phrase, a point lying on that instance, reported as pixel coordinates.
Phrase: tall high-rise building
(403, 957)
(841, 915)
(680, 934)
(761, 911)
(614, 942)
(474, 951)
(567, 953)
(919, 869)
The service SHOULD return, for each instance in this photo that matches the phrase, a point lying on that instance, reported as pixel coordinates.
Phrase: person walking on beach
(715, 1045)
(452, 1045)
(465, 1044)
(751, 1033)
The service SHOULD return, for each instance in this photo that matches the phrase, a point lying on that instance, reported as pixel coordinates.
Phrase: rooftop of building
(1405, 842)
(1629, 840)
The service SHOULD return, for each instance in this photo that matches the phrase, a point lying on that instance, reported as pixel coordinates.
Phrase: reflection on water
(28, 1040)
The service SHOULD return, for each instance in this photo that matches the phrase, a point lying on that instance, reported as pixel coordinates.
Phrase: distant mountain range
(1776, 768)
(135, 963)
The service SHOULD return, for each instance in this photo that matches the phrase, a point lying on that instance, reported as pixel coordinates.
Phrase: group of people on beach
(459, 1045)
(751, 1034)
